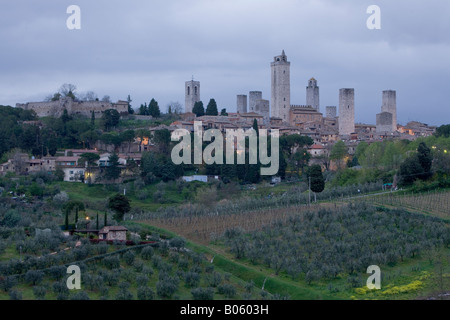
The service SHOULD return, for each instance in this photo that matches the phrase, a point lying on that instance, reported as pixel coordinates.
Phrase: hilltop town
(91, 186)
(308, 120)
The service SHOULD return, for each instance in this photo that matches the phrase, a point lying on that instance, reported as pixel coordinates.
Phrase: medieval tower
(331, 112)
(312, 94)
(254, 96)
(390, 105)
(192, 94)
(346, 111)
(281, 87)
(241, 104)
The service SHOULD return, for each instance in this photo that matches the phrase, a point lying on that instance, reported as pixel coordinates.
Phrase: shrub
(177, 243)
(166, 286)
(39, 292)
(147, 270)
(124, 294)
(203, 294)
(112, 262)
(215, 279)
(34, 277)
(129, 257)
(15, 295)
(147, 253)
(57, 272)
(80, 295)
(111, 278)
(227, 290)
(142, 280)
(192, 279)
(145, 293)
(6, 283)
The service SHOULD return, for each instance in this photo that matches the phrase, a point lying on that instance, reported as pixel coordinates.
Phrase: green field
(425, 275)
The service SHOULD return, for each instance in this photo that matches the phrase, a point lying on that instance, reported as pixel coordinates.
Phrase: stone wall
(56, 108)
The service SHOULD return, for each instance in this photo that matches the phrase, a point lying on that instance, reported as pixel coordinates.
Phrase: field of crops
(435, 203)
(205, 228)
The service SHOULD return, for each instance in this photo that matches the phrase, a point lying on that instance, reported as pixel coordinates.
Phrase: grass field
(410, 279)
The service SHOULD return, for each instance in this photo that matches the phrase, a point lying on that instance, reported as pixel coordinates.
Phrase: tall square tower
(281, 87)
(192, 95)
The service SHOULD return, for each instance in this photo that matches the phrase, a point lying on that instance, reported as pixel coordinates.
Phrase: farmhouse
(113, 233)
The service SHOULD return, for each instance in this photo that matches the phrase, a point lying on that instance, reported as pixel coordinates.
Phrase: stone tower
(192, 94)
(390, 105)
(331, 112)
(254, 97)
(262, 107)
(312, 94)
(241, 105)
(346, 111)
(281, 87)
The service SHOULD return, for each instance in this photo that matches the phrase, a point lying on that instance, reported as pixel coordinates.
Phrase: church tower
(312, 94)
(192, 94)
(281, 87)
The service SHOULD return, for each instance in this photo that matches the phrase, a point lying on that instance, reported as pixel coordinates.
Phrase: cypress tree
(211, 109)
(97, 222)
(106, 219)
(76, 216)
(92, 119)
(67, 220)
(198, 109)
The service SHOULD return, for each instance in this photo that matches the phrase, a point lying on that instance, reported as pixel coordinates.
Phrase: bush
(111, 278)
(177, 243)
(145, 293)
(227, 290)
(61, 290)
(129, 257)
(147, 253)
(61, 198)
(6, 283)
(183, 264)
(203, 294)
(15, 295)
(142, 280)
(39, 292)
(215, 279)
(192, 279)
(57, 272)
(124, 294)
(80, 296)
(34, 277)
(166, 287)
(112, 262)
(147, 271)
(138, 265)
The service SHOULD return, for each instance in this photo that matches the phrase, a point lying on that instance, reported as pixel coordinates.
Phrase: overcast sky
(148, 49)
